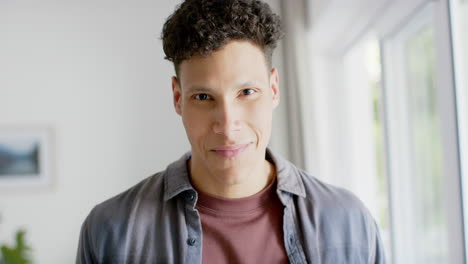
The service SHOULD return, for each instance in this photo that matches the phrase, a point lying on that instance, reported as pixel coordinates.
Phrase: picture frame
(25, 157)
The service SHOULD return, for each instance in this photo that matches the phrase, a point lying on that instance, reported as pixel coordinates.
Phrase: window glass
(367, 176)
(415, 144)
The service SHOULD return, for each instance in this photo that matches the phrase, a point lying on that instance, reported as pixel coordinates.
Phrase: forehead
(235, 62)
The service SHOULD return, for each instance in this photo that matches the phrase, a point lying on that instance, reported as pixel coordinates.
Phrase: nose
(227, 121)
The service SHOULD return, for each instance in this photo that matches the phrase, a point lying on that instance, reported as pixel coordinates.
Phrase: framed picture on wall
(25, 157)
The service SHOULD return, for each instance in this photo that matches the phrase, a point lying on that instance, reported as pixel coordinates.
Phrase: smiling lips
(230, 151)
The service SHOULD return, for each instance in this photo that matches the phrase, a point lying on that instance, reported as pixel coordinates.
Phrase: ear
(274, 85)
(177, 95)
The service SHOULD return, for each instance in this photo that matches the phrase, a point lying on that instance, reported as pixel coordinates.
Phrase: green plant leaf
(20, 254)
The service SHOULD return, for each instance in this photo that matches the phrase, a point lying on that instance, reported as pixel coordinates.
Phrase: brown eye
(202, 97)
(248, 91)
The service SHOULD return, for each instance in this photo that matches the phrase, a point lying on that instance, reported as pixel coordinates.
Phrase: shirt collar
(288, 176)
(176, 178)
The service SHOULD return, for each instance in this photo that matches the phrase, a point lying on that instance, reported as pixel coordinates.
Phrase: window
(415, 146)
(367, 176)
(459, 15)
(384, 103)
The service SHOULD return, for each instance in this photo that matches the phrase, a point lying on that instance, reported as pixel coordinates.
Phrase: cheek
(196, 125)
(260, 118)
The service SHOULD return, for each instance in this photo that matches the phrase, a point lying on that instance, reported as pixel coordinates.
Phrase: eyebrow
(198, 89)
(206, 89)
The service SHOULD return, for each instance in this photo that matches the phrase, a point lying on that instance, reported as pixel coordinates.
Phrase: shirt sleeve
(85, 246)
(378, 249)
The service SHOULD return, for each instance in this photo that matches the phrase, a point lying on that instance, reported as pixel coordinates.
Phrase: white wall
(94, 72)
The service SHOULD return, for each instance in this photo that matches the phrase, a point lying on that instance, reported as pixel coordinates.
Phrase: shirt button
(191, 241)
(190, 197)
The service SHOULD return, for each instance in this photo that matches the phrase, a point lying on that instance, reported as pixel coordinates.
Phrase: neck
(231, 183)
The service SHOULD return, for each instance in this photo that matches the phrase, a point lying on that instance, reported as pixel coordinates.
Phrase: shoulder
(340, 217)
(104, 229)
(329, 197)
(148, 190)
(311, 191)
(142, 202)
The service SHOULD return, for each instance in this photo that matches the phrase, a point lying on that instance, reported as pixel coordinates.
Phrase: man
(230, 200)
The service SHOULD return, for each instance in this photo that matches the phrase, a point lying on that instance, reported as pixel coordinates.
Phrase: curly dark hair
(199, 27)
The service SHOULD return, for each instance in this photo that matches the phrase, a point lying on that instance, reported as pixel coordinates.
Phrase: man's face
(226, 101)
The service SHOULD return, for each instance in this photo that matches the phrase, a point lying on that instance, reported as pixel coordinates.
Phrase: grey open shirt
(156, 222)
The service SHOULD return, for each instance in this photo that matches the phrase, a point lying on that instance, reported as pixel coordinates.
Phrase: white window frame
(342, 24)
(462, 99)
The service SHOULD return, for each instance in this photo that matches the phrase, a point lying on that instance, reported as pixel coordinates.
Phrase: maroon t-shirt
(245, 230)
